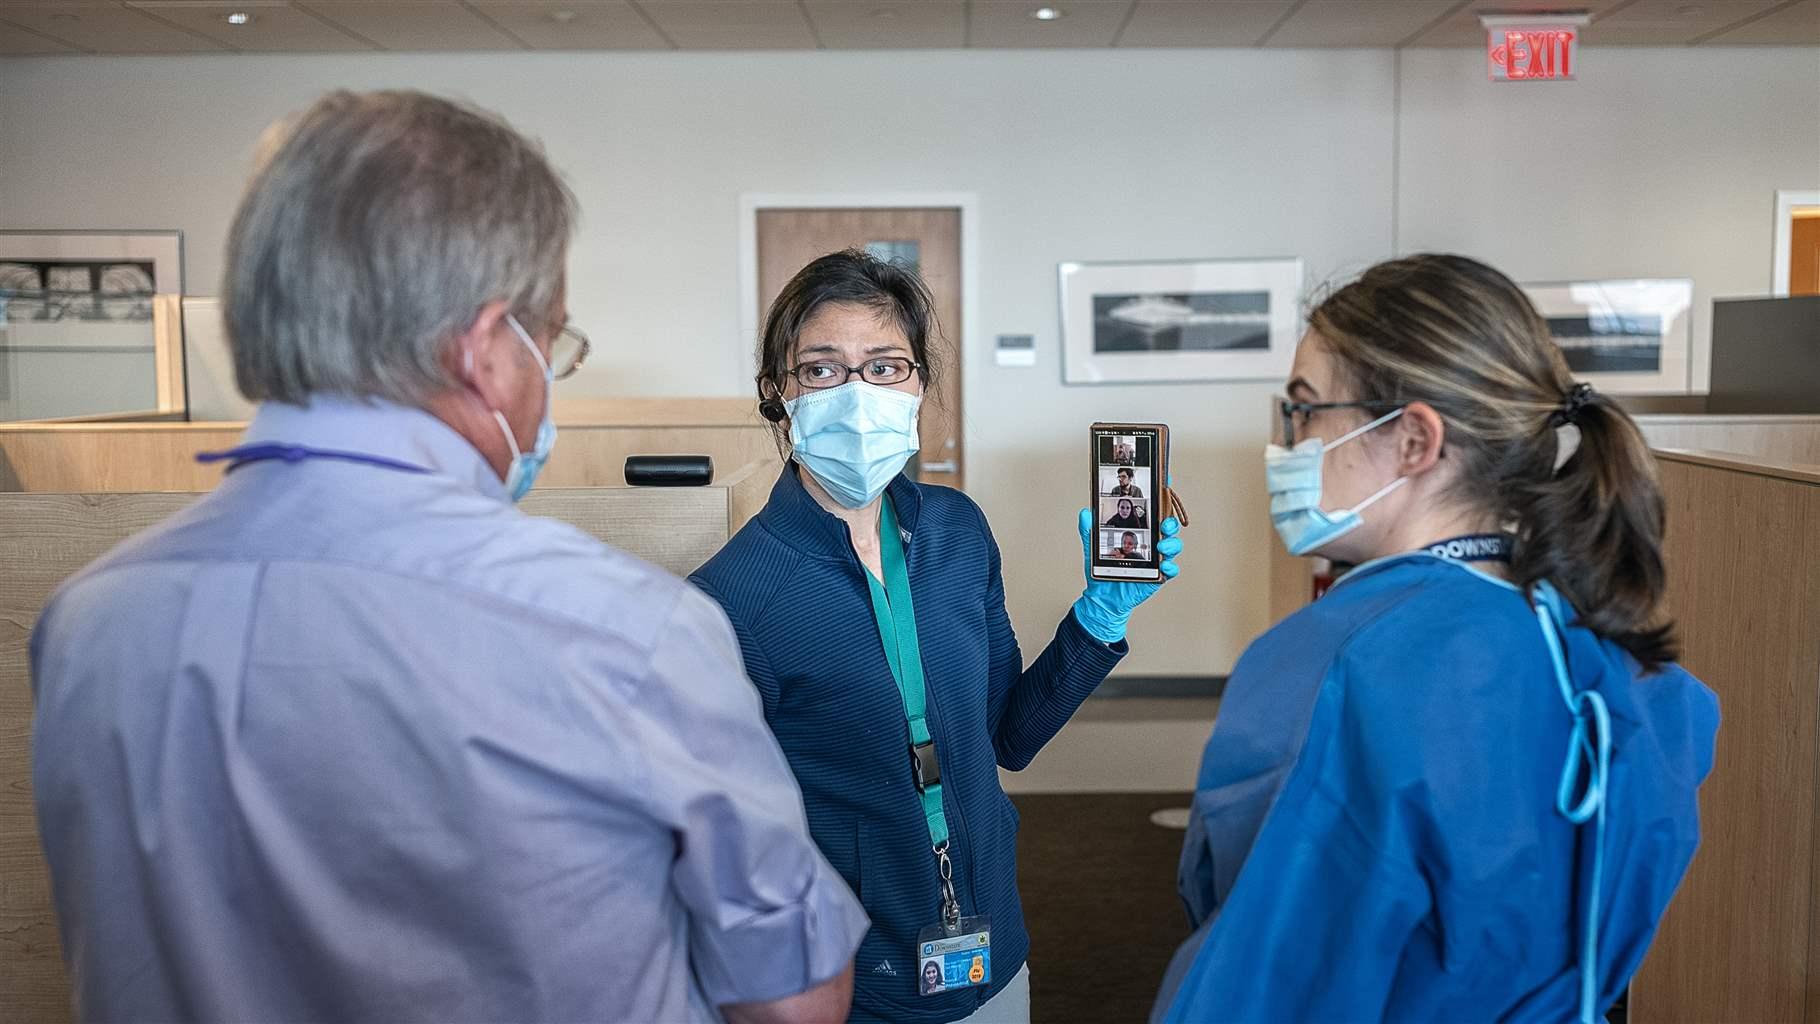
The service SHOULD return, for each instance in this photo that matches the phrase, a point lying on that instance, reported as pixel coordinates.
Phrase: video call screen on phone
(1125, 505)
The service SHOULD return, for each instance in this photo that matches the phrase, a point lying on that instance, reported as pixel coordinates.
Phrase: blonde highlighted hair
(1461, 337)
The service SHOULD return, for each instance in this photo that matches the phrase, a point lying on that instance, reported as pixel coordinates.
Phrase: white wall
(1655, 163)
(1666, 163)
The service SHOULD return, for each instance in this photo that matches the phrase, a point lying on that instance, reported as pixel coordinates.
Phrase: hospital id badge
(952, 958)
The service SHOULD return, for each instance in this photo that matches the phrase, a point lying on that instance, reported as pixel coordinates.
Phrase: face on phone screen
(1125, 504)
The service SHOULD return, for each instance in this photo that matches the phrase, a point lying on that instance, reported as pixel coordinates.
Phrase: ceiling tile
(889, 24)
(276, 27)
(17, 42)
(1462, 27)
(105, 28)
(415, 24)
(1007, 23)
(1792, 26)
(1670, 22)
(1202, 23)
(565, 25)
(732, 24)
(1359, 22)
(199, 26)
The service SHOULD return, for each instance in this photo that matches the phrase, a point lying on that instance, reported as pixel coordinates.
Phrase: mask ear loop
(1373, 500)
(467, 366)
(536, 353)
(1384, 491)
(467, 361)
(1366, 429)
(549, 398)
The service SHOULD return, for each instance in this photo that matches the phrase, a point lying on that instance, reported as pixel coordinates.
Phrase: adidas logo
(884, 967)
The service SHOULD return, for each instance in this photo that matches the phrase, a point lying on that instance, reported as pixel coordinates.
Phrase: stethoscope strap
(1593, 753)
(295, 453)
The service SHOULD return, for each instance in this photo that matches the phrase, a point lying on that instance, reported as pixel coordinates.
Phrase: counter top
(1796, 472)
(640, 412)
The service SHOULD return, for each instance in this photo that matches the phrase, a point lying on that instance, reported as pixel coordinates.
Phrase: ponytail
(1463, 338)
(1594, 530)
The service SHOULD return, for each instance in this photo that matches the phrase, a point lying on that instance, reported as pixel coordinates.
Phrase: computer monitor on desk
(1766, 356)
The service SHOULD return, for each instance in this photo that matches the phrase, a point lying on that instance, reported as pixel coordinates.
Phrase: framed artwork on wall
(1627, 337)
(90, 324)
(88, 275)
(1175, 321)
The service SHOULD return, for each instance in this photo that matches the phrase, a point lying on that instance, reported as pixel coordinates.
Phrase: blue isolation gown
(1374, 833)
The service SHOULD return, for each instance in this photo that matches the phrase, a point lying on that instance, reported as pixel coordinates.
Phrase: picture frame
(1179, 321)
(158, 253)
(1628, 336)
(91, 324)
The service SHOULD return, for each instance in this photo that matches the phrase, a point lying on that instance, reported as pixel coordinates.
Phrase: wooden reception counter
(44, 537)
(596, 436)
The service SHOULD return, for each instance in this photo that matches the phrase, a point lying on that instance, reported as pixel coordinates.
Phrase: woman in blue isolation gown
(1461, 785)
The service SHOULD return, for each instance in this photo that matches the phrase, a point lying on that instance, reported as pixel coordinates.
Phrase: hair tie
(1577, 398)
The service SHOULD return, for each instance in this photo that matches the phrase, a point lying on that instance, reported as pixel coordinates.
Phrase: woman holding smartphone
(871, 612)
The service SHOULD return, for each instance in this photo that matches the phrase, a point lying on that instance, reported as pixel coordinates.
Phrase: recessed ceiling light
(240, 18)
(563, 17)
(1046, 14)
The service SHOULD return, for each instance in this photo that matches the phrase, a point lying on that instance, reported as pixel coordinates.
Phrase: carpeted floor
(1098, 882)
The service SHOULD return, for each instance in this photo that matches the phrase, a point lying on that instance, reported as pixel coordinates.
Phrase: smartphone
(1130, 472)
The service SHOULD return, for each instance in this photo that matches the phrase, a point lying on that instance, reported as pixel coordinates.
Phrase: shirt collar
(372, 426)
(793, 515)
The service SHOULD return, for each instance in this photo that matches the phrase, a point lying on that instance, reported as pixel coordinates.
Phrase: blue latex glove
(1104, 608)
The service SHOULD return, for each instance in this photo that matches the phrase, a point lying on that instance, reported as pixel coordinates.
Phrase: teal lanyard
(896, 615)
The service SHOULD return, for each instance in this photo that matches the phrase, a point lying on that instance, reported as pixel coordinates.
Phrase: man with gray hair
(353, 738)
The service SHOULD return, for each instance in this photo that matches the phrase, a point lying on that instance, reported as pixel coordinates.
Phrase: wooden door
(1804, 253)
(927, 240)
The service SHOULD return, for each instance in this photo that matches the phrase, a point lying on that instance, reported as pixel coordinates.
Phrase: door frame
(1786, 201)
(967, 203)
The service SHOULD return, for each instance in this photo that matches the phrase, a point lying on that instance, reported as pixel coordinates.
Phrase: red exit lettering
(1519, 55)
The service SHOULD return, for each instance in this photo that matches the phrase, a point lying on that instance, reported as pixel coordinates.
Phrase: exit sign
(1532, 49)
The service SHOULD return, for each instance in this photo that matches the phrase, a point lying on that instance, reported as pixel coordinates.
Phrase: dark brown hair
(1460, 336)
(854, 277)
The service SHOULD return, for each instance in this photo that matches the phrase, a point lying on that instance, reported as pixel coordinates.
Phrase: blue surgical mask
(854, 439)
(1293, 478)
(526, 465)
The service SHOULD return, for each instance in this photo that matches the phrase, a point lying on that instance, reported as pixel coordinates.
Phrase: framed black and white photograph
(90, 323)
(1628, 337)
(1179, 320)
(55, 276)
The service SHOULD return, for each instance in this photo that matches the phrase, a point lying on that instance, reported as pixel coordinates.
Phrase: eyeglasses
(828, 373)
(1291, 410)
(568, 350)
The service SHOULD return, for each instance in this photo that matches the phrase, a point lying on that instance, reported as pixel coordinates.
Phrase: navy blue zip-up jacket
(799, 602)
